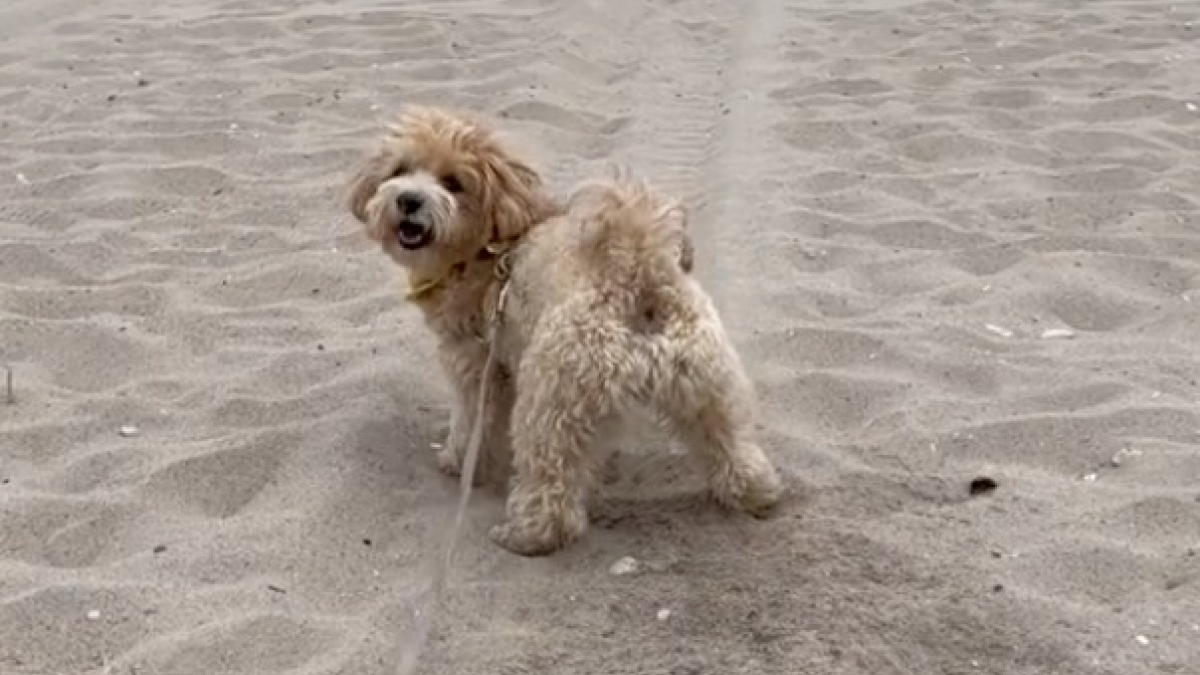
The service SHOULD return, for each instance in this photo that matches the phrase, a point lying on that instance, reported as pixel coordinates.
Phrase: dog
(588, 307)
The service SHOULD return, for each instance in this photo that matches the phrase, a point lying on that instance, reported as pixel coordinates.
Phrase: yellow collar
(420, 287)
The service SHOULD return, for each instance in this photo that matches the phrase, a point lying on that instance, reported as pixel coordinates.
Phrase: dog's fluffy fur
(601, 320)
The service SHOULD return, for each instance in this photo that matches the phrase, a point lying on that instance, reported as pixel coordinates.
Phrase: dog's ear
(364, 183)
(512, 196)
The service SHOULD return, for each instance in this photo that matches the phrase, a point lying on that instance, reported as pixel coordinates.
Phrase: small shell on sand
(1058, 334)
(1119, 457)
(998, 330)
(624, 567)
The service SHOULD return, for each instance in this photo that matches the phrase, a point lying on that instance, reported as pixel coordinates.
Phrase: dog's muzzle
(414, 230)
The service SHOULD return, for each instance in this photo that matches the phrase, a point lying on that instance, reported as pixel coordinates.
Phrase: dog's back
(620, 253)
(631, 233)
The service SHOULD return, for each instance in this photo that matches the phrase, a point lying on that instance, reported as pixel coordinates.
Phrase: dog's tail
(630, 230)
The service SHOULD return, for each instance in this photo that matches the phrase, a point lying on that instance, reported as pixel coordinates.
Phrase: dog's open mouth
(412, 235)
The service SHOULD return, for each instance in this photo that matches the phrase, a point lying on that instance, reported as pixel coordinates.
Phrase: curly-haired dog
(596, 318)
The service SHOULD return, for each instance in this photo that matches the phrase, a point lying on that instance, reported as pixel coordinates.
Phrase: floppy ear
(512, 195)
(363, 185)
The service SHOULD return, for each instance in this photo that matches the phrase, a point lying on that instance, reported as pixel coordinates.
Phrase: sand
(217, 460)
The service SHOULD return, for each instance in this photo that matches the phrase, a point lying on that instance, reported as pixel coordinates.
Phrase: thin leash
(471, 459)
(424, 619)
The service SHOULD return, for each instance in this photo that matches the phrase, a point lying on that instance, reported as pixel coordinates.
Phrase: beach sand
(217, 460)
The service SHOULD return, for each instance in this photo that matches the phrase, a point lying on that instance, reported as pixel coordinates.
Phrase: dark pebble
(982, 486)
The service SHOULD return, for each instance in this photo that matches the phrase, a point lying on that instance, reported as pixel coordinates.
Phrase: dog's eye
(452, 184)
(400, 170)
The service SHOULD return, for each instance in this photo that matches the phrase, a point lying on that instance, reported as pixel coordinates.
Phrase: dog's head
(441, 187)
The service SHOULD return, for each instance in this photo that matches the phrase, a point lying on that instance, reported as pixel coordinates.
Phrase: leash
(408, 661)
(471, 459)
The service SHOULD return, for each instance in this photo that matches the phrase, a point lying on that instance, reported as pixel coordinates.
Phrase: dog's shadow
(647, 491)
(659, 492)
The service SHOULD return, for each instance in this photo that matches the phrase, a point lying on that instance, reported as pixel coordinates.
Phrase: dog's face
(440, 188)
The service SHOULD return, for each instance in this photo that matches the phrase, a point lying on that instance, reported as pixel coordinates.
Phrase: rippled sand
(893, 201)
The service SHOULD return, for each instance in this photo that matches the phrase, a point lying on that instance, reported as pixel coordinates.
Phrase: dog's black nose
(410, 202)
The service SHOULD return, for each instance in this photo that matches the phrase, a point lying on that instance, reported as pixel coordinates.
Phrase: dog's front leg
(452, 453)
(463, 364)
(465, 368)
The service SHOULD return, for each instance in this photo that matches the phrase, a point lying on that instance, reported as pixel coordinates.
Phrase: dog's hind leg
(565, 393)
(708, 403)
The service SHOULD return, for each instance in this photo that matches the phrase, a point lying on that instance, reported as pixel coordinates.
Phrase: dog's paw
(450, 462)
(511, 538)
(762, 494)
(451, 465)
(538, 537)
(756, 492)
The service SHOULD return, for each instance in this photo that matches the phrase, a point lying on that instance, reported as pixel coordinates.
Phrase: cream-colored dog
(596, 318)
